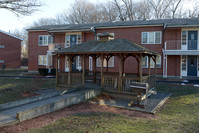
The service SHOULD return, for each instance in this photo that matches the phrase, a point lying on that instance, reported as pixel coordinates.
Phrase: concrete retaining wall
(83, 96)
(27, 100)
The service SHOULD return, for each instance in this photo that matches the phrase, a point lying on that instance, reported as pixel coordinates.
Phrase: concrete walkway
(31, 110)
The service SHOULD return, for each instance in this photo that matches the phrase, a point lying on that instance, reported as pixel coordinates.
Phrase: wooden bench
(141, 92)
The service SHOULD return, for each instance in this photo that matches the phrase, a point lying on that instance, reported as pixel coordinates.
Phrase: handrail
(179, 44)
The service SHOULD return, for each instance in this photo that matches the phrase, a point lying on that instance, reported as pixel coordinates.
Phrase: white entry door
(90, 63)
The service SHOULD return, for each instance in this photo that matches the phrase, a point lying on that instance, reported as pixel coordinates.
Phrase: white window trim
(186, 37)
(42, 60)
(69, 34)
(153, 66)
(105, 59)
(154, 37)
(47, 40)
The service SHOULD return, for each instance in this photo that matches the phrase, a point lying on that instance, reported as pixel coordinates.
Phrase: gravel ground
(78, 108)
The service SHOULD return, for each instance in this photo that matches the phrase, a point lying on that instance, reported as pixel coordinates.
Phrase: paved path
(9, 116)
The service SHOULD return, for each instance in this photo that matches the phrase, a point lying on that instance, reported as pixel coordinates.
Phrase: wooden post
(120, 74)
(123, 60)
(83, 70)
(149, 66)
(102, 70)
(155, 70)
(69, 72)
(140, 68)
(107, 59)
(94, 69)
(57, 57)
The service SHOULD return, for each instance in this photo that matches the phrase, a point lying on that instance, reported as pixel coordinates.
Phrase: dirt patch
(78, 108)
(101, 97)
(29, 94)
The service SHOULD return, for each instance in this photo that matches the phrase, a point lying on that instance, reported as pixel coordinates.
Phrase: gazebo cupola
(103, 37)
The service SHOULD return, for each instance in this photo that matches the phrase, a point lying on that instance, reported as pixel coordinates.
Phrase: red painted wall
(11, 53)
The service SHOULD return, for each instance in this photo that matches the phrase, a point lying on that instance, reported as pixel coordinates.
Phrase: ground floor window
(42, 60)
(110, 62)
(152, 63)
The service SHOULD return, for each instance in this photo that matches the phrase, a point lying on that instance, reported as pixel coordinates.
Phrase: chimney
(104, 37)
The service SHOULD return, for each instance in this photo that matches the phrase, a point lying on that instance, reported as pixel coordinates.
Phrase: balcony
(56, 46)
(178, 47)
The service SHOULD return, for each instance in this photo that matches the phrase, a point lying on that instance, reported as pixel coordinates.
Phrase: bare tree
(194, 13)
(143, 10)
(121, 11)
(174, 6)
(20, 7)
(130, 9)
(82, 12)
(159, 7)
(108, 11)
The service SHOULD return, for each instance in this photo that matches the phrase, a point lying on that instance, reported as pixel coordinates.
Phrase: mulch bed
(78, 108)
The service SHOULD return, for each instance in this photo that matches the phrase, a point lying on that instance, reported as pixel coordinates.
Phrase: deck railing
(181, 45)
(56, 46)
(111, 82)
(62, 79)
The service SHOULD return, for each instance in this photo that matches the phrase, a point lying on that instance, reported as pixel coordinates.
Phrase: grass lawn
(12, 89)
(179, 115)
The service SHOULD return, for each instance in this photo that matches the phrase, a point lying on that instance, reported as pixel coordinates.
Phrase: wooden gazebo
(105, 49)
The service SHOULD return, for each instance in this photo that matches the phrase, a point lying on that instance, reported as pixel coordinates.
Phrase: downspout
(163, 51)
(93, 30)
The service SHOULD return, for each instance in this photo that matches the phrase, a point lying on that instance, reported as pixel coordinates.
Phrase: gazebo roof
(113, 46)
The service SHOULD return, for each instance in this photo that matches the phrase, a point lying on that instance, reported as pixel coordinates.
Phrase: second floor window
(151, 37)
(44, 40)
(73, 39)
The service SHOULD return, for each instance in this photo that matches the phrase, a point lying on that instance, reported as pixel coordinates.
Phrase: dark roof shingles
(181, 21)
(118, 46)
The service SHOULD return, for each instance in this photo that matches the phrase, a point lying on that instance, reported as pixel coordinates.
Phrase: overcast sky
(10, 22)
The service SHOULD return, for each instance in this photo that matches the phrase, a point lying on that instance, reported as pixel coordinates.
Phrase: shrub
(43, 71)
(53, 71)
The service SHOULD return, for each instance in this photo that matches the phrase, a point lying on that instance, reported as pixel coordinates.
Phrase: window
(1, 61)
(152, 63)
(184, 63)
(78, 39)
(110, 62)
(2, 46)
(42, 60)
(112, 38)
(145, 62)
(78, 62)
(151, 37)
(44, 40)
(49, 60)
(184, 37)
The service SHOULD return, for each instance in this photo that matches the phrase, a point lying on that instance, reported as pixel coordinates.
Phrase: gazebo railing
(76, 80)
(110, 82)
(62, 79)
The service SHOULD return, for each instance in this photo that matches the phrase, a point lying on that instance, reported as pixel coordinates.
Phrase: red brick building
(10, 50)
(175, 39)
